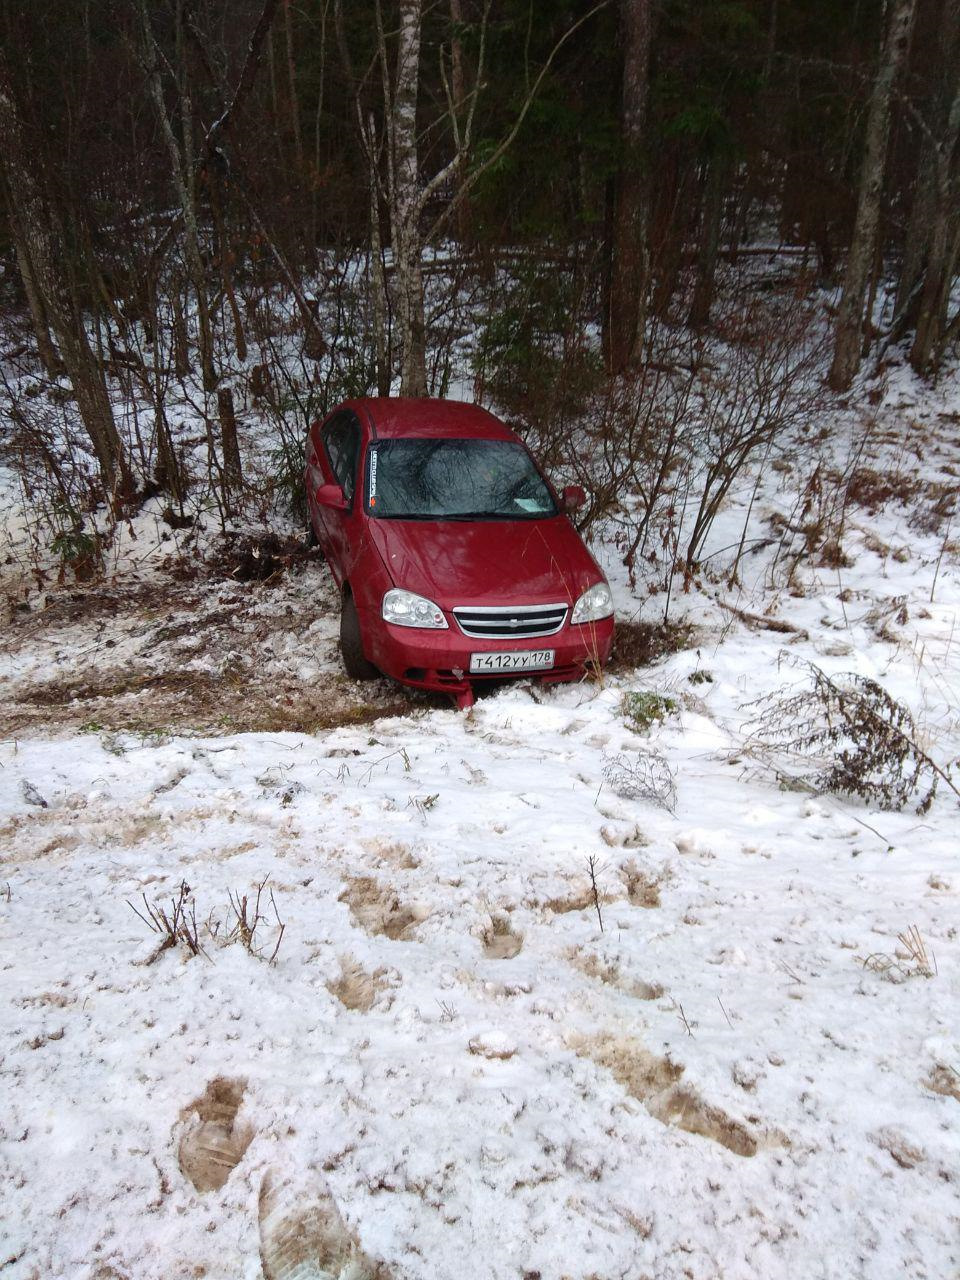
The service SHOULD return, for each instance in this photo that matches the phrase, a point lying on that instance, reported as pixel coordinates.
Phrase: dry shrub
(873, 489)
(642, 775)
(263, 559)
(640, 644)
(851, 737)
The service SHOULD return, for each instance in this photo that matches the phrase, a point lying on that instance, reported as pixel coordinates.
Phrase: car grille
(504, 623)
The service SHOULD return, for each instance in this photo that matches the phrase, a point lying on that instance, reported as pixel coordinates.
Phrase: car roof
(398, 416)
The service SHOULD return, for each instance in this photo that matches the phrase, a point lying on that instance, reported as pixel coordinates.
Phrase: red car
(455, 558)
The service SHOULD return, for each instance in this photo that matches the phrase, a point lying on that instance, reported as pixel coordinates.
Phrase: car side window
(342, 442)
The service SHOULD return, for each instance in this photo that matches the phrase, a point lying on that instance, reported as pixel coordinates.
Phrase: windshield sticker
(529, 504)
(373, 477)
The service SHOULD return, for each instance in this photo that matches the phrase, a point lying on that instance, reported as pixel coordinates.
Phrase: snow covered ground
(742, 1073)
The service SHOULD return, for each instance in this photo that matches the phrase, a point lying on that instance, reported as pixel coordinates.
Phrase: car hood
(488, 561)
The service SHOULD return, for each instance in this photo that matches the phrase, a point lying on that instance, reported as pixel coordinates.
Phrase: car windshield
(429, 479)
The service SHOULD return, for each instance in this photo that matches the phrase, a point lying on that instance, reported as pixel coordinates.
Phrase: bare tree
(863, 246)
(40, 247)
(630, 254)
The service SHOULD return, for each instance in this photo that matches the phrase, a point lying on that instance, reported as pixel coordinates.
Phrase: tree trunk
(47, 352)
(942, 229)
(406, 204)
(630, 257)
(181, 166)
(292, 85)
(42, 242)
(459, 85)
(846, 356)
(232, 472)
(710, 221)
(378, 282)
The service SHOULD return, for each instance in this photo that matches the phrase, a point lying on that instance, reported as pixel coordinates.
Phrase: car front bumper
(440, 660)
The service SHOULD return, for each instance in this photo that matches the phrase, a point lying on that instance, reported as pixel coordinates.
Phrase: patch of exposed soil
(204, 656)
(199, 702)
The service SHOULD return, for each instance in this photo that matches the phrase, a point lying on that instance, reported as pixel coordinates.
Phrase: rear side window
(341, 439)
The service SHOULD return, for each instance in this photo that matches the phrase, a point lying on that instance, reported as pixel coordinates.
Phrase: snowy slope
(712, 1085)
(742, 1074)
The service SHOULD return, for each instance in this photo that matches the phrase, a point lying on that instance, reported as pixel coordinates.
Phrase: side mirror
(572, 498)
(331, 495)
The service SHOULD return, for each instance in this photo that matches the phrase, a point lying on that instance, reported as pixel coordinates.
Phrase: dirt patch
(656, 1083)
(200, 702)
(640, 644)
(500, 942)
(202, 655)
(642, 1074)
(213, 1144)
(683, 1109)
(377, 909)
(355, 988)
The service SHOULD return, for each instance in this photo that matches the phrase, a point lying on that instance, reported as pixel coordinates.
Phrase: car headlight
(405, 609)
(595, 603)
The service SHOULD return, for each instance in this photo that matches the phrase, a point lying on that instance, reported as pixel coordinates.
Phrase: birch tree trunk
(378, 281)
(406, 203)
(630, 256)
(459, 80)
(846, 356)
(181, 167)
(43, 250)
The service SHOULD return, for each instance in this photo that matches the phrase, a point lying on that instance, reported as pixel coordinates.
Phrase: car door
(340, 445)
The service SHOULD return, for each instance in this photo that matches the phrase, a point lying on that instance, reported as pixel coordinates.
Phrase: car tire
(351, 646)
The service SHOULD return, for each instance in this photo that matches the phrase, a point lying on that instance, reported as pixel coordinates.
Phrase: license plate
(525, 660)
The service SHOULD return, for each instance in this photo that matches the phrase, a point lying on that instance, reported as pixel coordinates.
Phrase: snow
(530, 1113)
(742, 1073)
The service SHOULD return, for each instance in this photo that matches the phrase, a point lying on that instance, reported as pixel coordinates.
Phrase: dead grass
(643, 890)
(500, 942)
(945, 1081)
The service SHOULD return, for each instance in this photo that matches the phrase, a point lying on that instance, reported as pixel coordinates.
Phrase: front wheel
(351, 647)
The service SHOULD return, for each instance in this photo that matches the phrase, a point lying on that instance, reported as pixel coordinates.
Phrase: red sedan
(455, 557)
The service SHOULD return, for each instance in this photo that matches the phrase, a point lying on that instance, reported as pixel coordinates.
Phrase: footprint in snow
(303, 1235)
(213, 1142)
(499, 940)
(377, 909)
